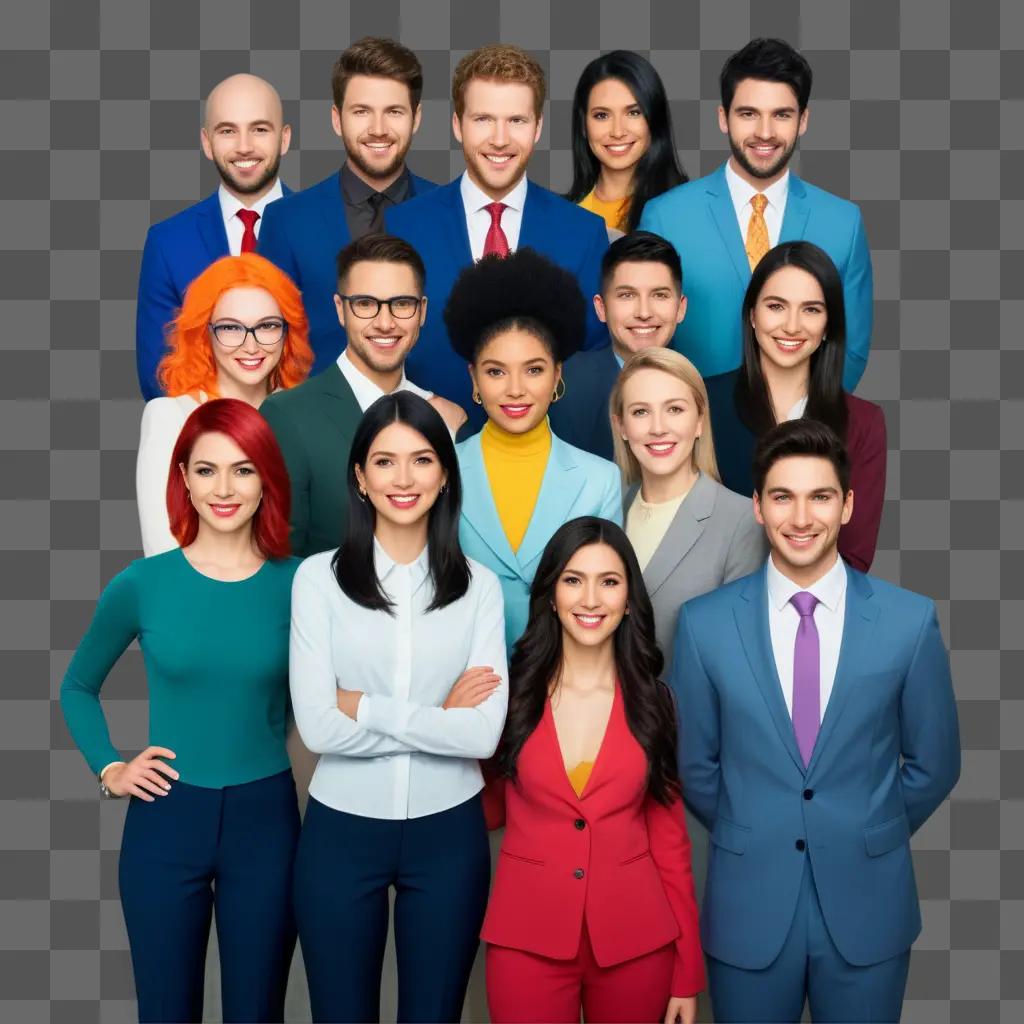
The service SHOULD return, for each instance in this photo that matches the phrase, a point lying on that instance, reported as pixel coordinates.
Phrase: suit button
(808, 794)
(801, 845)
(580, 824)
(578, 873)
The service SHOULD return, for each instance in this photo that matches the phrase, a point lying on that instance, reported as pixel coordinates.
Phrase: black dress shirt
(364, 205)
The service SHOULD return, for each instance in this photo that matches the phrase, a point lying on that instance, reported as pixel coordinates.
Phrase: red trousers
(525, 988)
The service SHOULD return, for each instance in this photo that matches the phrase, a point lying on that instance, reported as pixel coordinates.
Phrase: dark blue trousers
(440, 868)
(809, 969)
(194, 850)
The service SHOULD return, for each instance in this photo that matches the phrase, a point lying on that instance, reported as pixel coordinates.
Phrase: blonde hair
(678, 366)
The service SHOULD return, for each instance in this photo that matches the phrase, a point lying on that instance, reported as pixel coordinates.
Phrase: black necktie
(376, 204)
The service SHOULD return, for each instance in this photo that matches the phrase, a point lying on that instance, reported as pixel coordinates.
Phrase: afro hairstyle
(523, 291)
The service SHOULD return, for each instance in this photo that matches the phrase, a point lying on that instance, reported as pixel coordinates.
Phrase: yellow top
(613, 211)
(515, 465)
(580, 776)
(647, 523)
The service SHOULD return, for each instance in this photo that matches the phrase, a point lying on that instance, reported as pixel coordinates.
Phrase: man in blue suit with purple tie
(818, 733)
(498, 96)
(376, 84)
(245, 136)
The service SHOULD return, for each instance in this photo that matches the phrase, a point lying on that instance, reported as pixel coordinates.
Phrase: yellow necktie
(757, 230)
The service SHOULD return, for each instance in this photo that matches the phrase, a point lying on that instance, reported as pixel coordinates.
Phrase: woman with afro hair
(515, 320)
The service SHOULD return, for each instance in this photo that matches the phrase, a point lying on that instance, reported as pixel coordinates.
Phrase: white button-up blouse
(404, 756)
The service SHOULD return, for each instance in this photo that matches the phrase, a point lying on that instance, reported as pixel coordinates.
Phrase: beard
(248, 188)
(369, 170)
(379, 362)
(777, 165)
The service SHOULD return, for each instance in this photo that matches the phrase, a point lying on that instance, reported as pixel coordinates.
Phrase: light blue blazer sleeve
(858, 296)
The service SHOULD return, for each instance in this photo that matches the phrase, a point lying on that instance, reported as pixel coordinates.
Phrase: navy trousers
(194, 850)
(439, 866)
(809, 969)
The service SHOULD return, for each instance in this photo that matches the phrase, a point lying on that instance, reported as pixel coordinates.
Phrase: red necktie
(248, 218)
(496, 244)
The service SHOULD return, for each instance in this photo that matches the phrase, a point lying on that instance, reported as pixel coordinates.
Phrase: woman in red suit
(592, 905)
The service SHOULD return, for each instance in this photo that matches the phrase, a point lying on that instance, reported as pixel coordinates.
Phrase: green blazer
(314, 424)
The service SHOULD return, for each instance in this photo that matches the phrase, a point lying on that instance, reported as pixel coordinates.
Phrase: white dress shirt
(478, 220)
(404, 756)
(229, 207)
(783, 620)
(162, 420)
(742, 192)
(365, 390)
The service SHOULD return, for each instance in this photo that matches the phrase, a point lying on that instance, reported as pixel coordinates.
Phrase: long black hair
(658, 169)
(826, 401)
(353, 563)
(537, 659)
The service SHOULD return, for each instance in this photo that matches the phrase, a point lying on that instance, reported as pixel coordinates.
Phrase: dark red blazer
(614, 856)
(865, 446)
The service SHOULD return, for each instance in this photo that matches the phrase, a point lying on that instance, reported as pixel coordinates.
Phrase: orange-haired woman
(241, 333)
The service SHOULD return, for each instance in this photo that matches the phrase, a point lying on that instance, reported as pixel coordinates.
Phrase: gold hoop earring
(556, 394)
(477, 399)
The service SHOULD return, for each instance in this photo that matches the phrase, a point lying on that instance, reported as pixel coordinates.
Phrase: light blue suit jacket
(887, 755)
(575, 484)
(699, 219)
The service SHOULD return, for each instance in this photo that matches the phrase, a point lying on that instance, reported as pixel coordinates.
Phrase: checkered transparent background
(917, 114)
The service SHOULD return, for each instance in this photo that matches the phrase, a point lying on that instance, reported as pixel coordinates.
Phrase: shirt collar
(829, 589)
(357, 191)
(742, 191)
(230, 205)
(363, 388)
(384, 565)
(474, 198)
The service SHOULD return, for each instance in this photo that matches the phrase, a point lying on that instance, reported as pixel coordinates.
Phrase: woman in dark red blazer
(592, 905)
(794, 340)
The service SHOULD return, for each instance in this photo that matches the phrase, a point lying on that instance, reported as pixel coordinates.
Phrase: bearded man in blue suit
(818, 732)
(245, 136)
(376, 84)
(498, 97)
(722, 224)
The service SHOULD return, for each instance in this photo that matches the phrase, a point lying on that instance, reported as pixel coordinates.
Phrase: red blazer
(614, 856)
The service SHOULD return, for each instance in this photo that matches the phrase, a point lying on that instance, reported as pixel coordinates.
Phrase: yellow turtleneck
(614, 211)
(515, 465)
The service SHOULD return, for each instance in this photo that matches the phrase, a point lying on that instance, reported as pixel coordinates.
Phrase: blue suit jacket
(436, 225)
(699, 219)
(303, 237)
(580, 416)
(575, 484)
(887, 755)
(177, 250)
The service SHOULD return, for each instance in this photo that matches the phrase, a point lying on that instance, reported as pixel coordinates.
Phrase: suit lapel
(562, 483)
(454, 225)
(478, 506)
(751, 613)
(858, 627)
(798, 209)
(723, 213)
(683, 532)
(533, 230)
(338, 403)
(211, 228)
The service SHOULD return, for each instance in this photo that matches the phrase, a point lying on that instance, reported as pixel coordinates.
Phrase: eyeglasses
(232, 334)
(366, 307)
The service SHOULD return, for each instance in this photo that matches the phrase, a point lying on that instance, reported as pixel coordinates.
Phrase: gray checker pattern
(917, 114)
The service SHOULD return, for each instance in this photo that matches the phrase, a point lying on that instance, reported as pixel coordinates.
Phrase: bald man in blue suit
(714, 224)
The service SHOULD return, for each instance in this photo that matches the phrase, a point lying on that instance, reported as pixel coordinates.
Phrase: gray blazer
(712, 540)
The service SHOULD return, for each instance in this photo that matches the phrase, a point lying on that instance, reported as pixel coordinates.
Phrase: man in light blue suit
(498, 95)
(818, 733)
(376, 84)
(723, 224)
(245, 136)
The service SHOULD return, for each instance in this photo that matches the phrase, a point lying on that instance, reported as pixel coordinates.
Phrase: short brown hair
(384, 58)
(381, 248)
(498, 62)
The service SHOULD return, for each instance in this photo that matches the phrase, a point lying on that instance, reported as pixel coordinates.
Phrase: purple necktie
(806, 676)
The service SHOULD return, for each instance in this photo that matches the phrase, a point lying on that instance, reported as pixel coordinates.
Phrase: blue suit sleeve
(929, 729)
(590, 284)
(274, 245)
(699, 733)
(858, 296)
(158, 302)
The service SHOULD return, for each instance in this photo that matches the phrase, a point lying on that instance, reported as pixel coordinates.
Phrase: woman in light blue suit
(515, 320)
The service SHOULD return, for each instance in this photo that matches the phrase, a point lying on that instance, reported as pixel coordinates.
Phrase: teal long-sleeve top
(216, 657)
